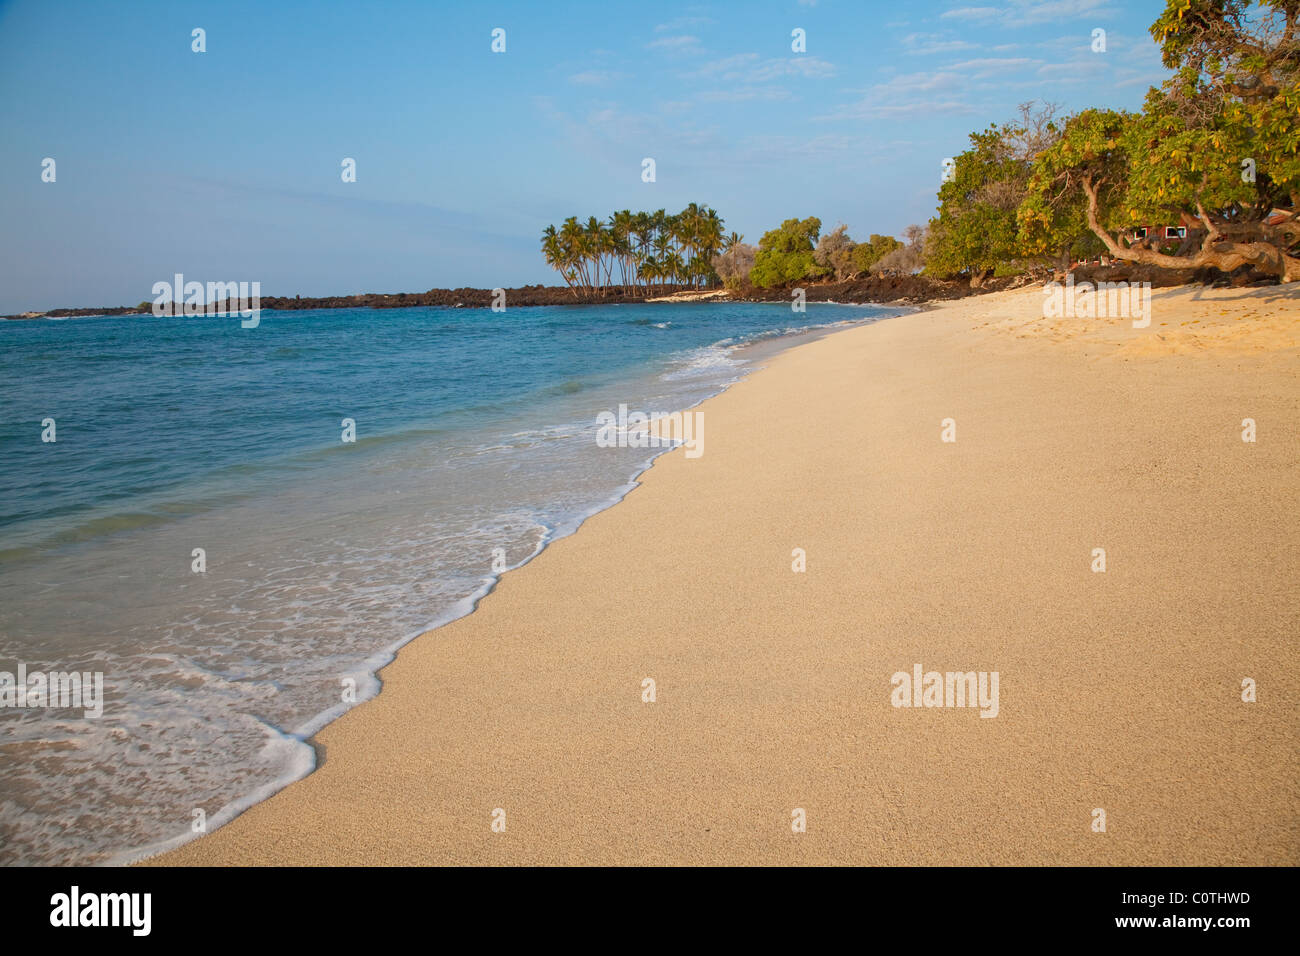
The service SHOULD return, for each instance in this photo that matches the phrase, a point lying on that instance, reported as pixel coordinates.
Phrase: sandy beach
(1118, 690)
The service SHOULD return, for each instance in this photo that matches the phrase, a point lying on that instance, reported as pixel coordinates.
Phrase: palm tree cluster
(643, 251)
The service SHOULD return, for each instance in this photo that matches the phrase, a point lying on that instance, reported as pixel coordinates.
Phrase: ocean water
(475, 438)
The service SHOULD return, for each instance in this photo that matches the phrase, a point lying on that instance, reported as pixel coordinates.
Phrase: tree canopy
(648, 250)
(1216, 149)
(785, 254)
(1207, 173)
(977, 227)
(867, 254)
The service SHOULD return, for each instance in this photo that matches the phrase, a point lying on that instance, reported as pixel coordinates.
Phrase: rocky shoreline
(872, 289)
(877, 288)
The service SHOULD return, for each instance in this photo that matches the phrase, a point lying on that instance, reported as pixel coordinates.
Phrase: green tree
(785, 254)
(647, 250)
(867, 254)
(977, 228)
(557, 256)
(1234, 98)
(710, 240)
(734, 263)
(834, 252)
(620, 231)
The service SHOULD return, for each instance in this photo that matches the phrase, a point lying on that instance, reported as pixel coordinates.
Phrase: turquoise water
(475, 446)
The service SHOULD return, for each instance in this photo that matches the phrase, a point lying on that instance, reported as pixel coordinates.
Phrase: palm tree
(675, 267)
(730, 246)
(620, 229)
(573, 241)
(649, 248)
(643, 229)
(709, 239)
(663, 245)
(596, 247)
(557, 257)
(649, 270)
(687, 231)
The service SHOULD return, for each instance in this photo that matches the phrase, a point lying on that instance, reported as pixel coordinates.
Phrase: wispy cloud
(677, 141)
(1127, 62)
(620, 136)
(1020, 13)
(993, 66)
(971, 13)
(596, 77)
(744, 94)
(1025, 12)
(683, 23)
(752, 68)
(909, 94)
(886, 110)
(922, 44)
(682, 43)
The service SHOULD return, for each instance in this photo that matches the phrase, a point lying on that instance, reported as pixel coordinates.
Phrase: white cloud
(684, 43)
(751, 68)
(682, 23)
(922, 82)
(926, 43)
(1128, 62)
(980, 69)
(971, 13)
(1023, 12)
(907, 95)
(744, 94)
(866, 110)
(595, 78)
(1019, 13)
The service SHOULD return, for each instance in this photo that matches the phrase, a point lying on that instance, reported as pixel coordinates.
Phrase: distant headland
(874, 288)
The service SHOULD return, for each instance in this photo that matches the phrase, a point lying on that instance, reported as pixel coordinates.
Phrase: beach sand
(696, 296)
(1119, 690)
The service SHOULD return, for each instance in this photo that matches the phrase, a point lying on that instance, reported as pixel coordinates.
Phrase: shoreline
(754, 352)
(874, 289)
(543, 678)
(888, 288)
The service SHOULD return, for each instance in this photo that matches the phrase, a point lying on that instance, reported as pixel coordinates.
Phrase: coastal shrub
(785, 254)
(977, 226)
(903, 259)
(734, 263)
(867, 254)
(834, 253)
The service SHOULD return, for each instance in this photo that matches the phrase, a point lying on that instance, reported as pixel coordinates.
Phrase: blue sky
(225, 165)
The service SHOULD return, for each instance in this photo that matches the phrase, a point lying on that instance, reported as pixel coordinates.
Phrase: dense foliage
(785, 254)
(647, 250)
(1215, 150)
(1206, 174)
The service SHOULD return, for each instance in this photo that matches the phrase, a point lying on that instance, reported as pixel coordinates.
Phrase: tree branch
(1225, 256)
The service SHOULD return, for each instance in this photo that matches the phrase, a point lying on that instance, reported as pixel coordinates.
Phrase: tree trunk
(1215, 251)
